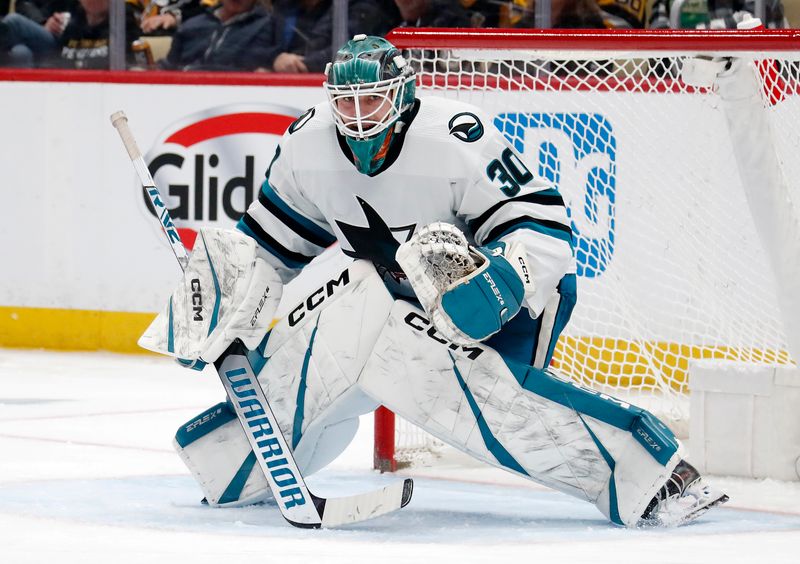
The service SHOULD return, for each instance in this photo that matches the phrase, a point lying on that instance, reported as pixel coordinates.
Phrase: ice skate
(682, 499)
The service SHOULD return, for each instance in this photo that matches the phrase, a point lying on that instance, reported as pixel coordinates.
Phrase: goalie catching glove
(468, 292)
(228, 292)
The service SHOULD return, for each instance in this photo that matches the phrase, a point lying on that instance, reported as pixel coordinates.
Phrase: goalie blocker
(348, 354)
(225, 270)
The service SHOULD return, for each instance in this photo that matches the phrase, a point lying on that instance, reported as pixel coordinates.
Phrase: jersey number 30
(509, 172)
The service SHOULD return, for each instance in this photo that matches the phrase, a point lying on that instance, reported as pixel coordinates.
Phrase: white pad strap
(228, 292)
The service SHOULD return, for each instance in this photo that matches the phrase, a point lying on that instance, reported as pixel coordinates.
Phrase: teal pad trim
(474, 310)
(234, 489)
(498, 450)
(568, 292)
(655, 437)
(613, 503)
(659, 440)
(193, 364)
(257, 358)
(217, 292)
(212, 418)
(297, 426)
(171, 330)
(481, 306)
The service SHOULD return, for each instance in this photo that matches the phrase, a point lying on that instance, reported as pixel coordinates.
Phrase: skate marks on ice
(461, 512)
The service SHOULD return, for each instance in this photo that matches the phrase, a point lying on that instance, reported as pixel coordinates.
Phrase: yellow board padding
(625, 364)
(72, 329)
(619, 363)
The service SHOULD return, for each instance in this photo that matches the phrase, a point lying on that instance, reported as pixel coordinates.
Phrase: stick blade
(361, 507)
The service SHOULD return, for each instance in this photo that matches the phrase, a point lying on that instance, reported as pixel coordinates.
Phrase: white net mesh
(670, 265)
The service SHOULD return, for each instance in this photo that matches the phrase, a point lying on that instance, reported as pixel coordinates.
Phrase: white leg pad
(314, 357)
(470, 398)
(215, 449)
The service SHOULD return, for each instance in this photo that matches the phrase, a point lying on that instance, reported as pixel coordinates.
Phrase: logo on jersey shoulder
(302, 120)
(466, 127)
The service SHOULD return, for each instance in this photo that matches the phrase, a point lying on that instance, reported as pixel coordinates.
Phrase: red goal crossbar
(598, 39)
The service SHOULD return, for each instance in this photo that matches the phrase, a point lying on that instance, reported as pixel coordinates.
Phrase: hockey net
(672, 267)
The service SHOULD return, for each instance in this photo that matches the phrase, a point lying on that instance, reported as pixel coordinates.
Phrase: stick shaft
(120, 123)
(274, 456)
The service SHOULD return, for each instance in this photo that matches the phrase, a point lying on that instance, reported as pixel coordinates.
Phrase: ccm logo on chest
(317, 297)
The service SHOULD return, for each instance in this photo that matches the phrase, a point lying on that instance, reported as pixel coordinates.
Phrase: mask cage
(367, 124)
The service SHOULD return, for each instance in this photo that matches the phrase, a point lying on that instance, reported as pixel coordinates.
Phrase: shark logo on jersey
(577, 152)
(466, 127)
(377, 241)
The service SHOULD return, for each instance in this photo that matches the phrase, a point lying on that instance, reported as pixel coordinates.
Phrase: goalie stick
(297, 504)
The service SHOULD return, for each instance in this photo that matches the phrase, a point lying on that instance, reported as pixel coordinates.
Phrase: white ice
(88, 474)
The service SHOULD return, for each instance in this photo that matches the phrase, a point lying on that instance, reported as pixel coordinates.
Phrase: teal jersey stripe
(290, 259)
(297, 426)
(498, 450)
(548, 197)
(301, 225)
(545, 227)
(234, 489)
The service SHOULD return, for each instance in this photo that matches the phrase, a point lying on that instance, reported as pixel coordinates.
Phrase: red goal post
(679, 262)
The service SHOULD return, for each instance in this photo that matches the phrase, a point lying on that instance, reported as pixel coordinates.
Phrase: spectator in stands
(32, 33)
(566, 14)
(238, 35)
(482, 13)
(593, 14)
(429, 13)
(623, 13)
(40, 10)
(721, 14)
(85, 41)
(304, 30)
(510, 13)
(162, 17)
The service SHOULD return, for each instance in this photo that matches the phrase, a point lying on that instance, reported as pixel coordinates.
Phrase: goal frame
(629, 41)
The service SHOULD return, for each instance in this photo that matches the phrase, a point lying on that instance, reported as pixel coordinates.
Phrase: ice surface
(88, 474)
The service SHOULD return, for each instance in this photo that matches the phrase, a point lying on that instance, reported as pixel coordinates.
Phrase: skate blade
(669, 521)
(689, 517)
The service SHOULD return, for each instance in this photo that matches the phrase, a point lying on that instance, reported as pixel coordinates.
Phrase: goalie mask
(369, 86)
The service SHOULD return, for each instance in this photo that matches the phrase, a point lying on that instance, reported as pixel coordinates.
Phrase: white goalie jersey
(449, 164)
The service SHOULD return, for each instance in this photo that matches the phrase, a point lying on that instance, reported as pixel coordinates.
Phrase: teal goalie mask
(369, 86)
